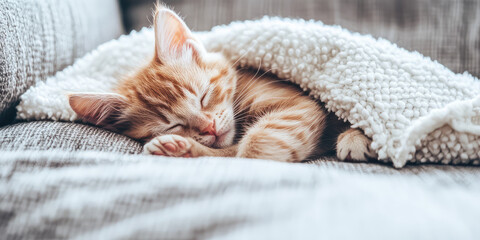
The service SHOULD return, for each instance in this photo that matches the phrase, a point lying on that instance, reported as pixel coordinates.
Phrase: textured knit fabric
(92, 195)
(413, 108)
(45, 135)
(40, 37)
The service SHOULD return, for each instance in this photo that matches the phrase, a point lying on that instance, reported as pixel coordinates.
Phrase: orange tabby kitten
(189, 102)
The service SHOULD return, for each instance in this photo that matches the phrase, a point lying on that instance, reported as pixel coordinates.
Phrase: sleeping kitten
(189, 102)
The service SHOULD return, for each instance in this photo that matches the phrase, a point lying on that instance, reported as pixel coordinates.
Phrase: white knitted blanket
(413, 108)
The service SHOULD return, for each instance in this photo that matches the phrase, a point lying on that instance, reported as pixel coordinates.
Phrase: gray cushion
(45, 135)
(78, 195)
(40, 37)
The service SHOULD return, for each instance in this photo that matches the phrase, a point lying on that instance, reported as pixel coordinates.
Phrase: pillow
(41, 37)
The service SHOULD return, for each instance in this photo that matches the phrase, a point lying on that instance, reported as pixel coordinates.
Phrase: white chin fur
(225, 140)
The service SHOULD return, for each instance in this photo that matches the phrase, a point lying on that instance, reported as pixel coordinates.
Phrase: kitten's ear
(101, 109)
(173, 39)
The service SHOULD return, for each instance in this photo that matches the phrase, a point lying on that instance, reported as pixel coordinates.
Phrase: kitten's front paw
(168, 145)
(353, 145)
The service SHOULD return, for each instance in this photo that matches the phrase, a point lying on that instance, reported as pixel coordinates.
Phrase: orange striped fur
(189, 102)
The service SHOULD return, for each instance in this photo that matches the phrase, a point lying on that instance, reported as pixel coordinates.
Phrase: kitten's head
(184, 90)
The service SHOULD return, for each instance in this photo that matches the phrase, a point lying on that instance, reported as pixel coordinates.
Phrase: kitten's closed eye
(175, 127)
(204, 99)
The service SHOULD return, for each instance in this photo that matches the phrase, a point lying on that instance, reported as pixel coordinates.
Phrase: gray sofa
(64, 180)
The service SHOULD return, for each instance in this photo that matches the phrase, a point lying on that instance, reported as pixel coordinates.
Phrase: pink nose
(210, 130)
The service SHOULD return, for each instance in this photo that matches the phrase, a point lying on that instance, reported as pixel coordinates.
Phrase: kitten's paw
(168, 145)
(353, 145)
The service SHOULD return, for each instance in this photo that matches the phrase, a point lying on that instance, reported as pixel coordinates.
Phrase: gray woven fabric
(40, 37)
(45, 135)
(91, 195)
